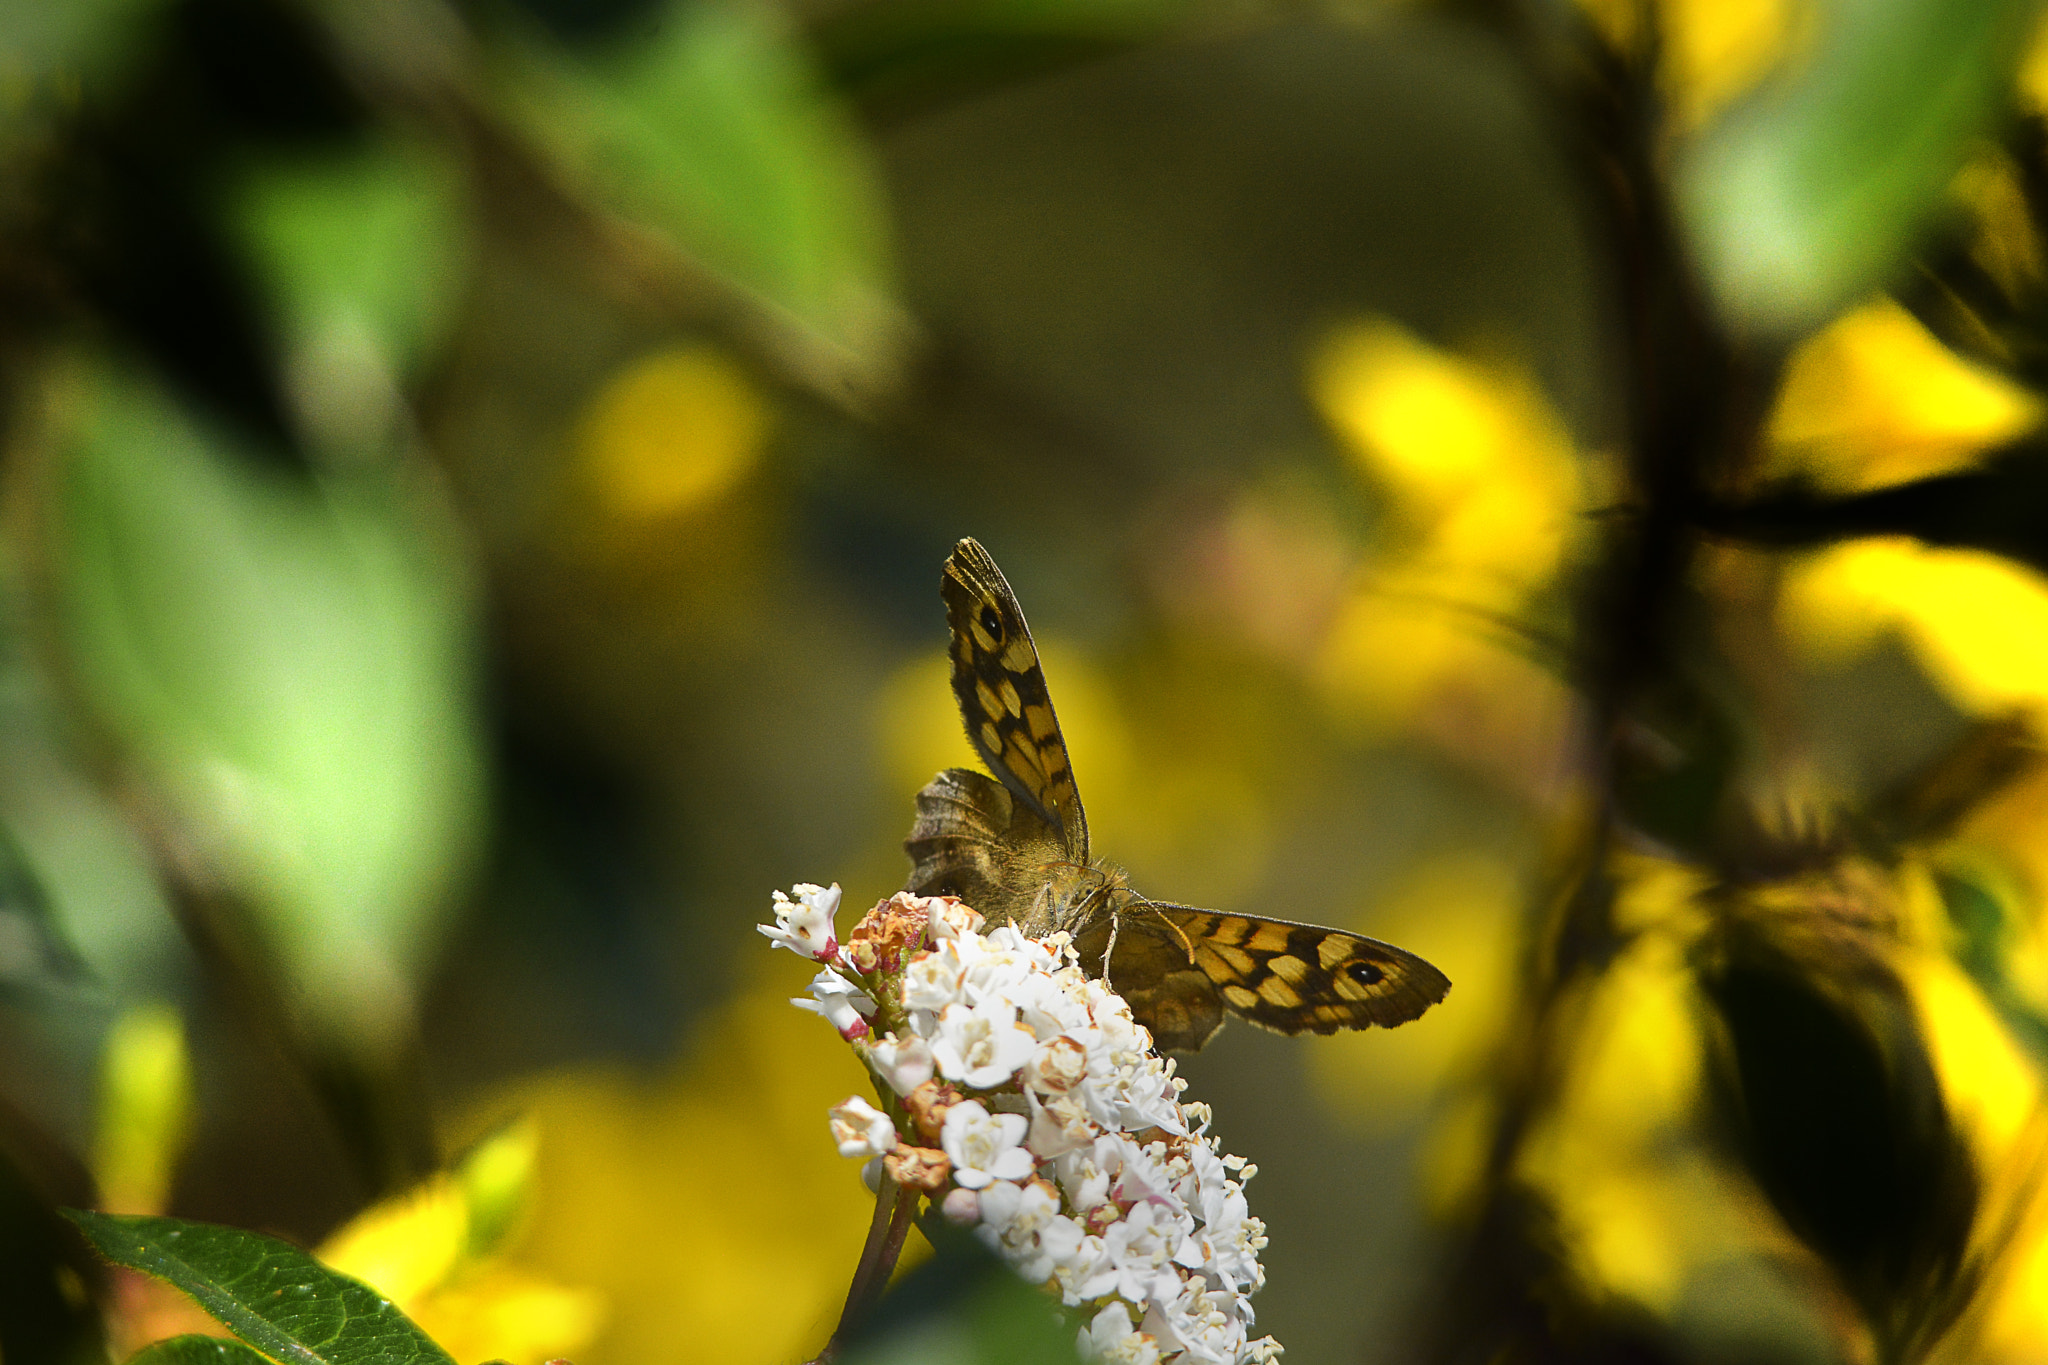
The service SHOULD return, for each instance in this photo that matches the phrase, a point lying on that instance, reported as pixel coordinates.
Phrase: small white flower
(962, 1208)
(804, 925)
(905, 1063)
(860, 1129)
(844, 1005)
(1059, 1079)
(1085, 1175)
(981, 1046)
(1204, 1323)
(951, 919)
(1081, 1268)
(1059, 1125)
(1111, 1337)
(1141, 1245)
(1057, 1066)
(932, 980)
(1138, 1173)
(984, 1146)
(1012, 1219)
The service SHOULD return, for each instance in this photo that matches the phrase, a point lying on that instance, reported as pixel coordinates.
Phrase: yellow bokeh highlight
(1977, 623)
(1479, 467)
(707, 1201)
(429, 1250)
(1993, 1091)
(1461, 912)
(145, 1109)
(1483, 486)
(406, 1245)
(1642, 1199)
(1990, 1086)
(2033, 73)
(2008, 1321)
(1874, 399)
(1712, 50)
(670, 433)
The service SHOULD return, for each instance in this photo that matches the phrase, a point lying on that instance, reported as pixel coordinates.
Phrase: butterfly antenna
(1186, 943)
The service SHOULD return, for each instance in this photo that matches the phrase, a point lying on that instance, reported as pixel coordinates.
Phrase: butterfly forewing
(1002, 694)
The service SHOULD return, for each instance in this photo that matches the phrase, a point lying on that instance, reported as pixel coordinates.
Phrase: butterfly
(1015, 847)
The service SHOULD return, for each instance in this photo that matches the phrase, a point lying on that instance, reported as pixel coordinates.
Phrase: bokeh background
(1554, 487)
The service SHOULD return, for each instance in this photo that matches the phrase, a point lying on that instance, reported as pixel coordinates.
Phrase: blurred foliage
(1557, 486)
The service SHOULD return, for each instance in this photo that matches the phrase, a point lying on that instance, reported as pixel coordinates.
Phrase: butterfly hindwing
(1152, 968)
(1301, 978)
(1001, 689)
(973, 839)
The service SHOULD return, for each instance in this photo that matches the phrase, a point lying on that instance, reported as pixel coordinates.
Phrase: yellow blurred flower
(1485, 487)
(1874, 399)
(1992, 1090)
(671, 432)
(145, 1109)
(2005, 243)
(706, 1203)
(1978, 623)
(2033, 76)
(1712, 50)
(431, 1251)
(1644, 1200)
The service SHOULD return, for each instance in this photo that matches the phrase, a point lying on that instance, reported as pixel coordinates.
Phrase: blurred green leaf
(267, 1292)
(33, 946)
(196, 1350)
(287, 659)
(1812, 192)
(1982, 943)
(715, 129)
(365, 247)
(77, 38)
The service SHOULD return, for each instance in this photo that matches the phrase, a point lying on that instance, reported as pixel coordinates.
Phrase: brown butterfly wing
(1304, 978)
(1000, 687)
(1190, 965)
(974, 839)
(1153, 969)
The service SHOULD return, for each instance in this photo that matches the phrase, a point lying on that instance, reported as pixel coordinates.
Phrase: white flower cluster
(1026, 1103)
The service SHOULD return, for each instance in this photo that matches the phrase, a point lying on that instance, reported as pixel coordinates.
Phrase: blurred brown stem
(895, 1206)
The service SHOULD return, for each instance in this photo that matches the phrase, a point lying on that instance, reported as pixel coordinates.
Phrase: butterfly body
(1015, 847)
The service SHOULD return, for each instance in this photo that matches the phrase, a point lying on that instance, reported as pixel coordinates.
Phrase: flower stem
(894, 1206)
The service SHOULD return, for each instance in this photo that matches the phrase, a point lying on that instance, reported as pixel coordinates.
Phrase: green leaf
(287, 660)
(713, 128)
(1812, 192)
(269, 1293)
(34, 950)
(76, 38)
(365, 246)
(197, 1350)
